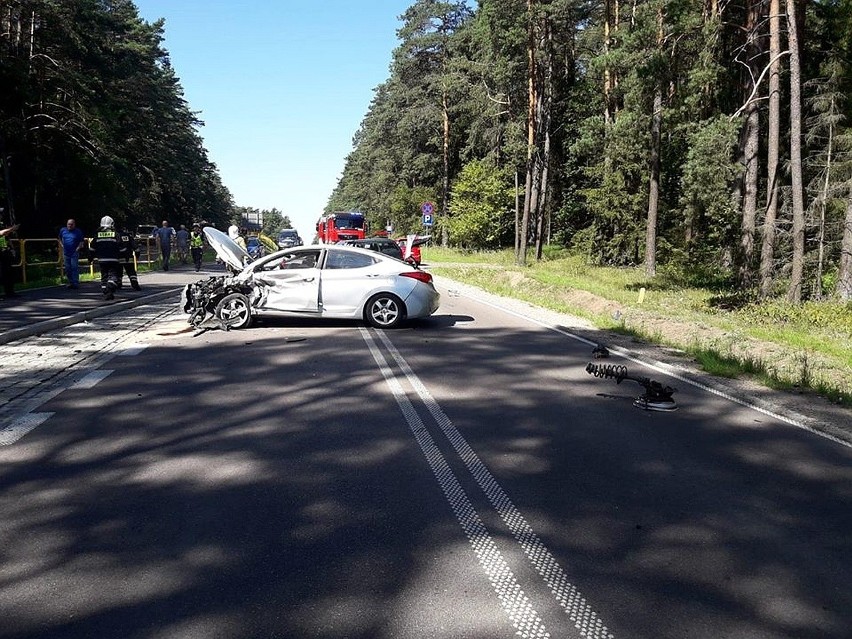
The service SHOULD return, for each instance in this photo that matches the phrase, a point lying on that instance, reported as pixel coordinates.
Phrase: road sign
(427, 219)
(427, 208)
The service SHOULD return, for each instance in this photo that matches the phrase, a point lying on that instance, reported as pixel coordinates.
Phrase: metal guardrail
(41, 253)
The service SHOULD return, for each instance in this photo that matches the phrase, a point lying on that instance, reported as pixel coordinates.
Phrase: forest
(93, 122)
(710, 138)
(707, 138)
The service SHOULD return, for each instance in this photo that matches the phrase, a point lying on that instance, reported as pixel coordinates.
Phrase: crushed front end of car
(202, 301)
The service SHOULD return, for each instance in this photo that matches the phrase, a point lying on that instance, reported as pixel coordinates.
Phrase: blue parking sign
(427, 219)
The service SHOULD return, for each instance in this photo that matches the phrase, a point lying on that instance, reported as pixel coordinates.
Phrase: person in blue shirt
(165, 234)
(72, 239)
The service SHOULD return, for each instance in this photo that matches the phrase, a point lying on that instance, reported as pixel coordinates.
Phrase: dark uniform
(6, 273)
(127, 253)
(106, 247)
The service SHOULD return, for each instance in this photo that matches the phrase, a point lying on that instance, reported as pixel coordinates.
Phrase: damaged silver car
(333, 281)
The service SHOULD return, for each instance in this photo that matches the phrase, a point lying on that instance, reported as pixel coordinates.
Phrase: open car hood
(415, 239)
(228, 251)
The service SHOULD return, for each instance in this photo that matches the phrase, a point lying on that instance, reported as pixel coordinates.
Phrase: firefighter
(106, 247)
(128, 251)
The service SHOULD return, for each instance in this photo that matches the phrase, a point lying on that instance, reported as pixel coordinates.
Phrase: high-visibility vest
(3, 244)
(196, 241)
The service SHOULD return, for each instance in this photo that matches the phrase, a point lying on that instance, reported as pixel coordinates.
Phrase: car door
(349, 278)
(291, 283)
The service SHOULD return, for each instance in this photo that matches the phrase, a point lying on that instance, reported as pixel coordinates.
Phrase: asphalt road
(461, 477)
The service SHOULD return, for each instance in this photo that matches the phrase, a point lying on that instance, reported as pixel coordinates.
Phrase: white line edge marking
(512, 598)
(133, 349)
(21, 426)
(621, 353)
(566, 593)
(90, 380)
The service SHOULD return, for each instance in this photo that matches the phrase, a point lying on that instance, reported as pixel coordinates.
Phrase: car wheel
(384, 310)
(234, 311)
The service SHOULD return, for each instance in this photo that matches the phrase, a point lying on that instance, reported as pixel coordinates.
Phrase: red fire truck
(343, 225)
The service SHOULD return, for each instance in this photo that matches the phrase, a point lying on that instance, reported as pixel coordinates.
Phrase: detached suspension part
(655, 397)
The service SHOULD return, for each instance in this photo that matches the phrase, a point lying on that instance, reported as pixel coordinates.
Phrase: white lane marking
(21, 426)
(133, 349)
(567, 595)
(90, 380)
(516, 604)
(664, 369)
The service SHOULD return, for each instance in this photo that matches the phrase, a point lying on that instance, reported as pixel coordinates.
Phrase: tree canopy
(93, 121)
(709, 137)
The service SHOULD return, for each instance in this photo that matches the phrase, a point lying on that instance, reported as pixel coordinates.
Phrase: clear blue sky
(282, 87)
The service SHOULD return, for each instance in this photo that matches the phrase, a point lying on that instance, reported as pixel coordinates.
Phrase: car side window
(342, 259)
(306, 259)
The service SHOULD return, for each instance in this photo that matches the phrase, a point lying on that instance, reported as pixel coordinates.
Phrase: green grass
(808, 345)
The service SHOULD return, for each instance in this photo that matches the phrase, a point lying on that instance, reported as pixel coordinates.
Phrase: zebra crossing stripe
(21, 426)
(90, 380)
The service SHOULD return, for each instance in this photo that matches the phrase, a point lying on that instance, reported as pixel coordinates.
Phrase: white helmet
(107, 222)
(233, 231)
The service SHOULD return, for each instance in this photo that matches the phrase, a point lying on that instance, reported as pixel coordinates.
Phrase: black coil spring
(607, 371)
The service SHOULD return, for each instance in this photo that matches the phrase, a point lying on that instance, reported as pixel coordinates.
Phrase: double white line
(516, 604)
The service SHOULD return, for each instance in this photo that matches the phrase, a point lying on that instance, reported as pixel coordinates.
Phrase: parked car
(255, 247)
(288, 238)
(381, 244)
(356, 283)
(414, 256)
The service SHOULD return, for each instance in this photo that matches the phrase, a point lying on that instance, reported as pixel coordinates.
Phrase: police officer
(106, 246)
(196, 246)
(6, 259)
(127, 253)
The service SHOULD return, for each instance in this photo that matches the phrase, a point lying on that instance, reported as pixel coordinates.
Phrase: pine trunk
(767, 251)
(844, 275)
(531, 139)
(751, 159)
(794, 292)
(654, 180)
(445, 186)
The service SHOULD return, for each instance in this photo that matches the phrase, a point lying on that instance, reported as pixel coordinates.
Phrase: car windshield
(349, 223)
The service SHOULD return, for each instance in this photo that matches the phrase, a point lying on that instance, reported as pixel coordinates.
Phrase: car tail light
(423, 276)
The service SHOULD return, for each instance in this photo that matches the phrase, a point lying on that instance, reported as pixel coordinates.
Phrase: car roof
(338, 247)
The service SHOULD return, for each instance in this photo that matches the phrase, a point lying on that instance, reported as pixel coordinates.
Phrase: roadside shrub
(830, 315)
